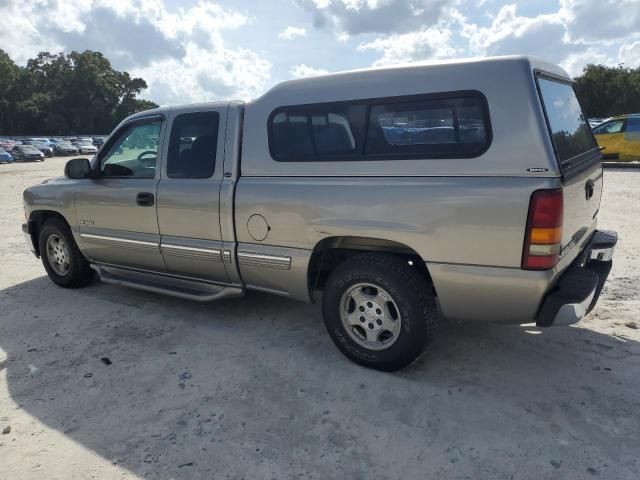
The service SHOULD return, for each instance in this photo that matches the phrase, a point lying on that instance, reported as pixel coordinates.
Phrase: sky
(196, 50)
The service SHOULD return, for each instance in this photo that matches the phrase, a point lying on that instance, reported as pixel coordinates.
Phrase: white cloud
(629, 54)
(302, 70)
(353, 17)
(290, 33)
(598, 21)
(432, 43)
(509, 33)
(575, 62)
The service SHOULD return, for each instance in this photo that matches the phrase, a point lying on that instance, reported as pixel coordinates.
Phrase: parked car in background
(5, 157)
(620, 138)
(44, 148)
(593, 122)
(98, 141)
(6, 144)
(27, 153)
(65, 148)
(34, 140)
(85, 145)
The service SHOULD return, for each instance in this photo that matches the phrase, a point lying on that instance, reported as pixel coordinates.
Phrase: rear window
(570, 132)
(448, 125)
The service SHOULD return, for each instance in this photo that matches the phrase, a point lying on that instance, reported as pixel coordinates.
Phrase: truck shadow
(253, 387)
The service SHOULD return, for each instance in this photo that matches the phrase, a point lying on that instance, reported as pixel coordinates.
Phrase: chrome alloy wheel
(370, 316)
(58, 255)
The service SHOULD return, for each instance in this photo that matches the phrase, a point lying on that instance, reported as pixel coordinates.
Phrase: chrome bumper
(578, 288)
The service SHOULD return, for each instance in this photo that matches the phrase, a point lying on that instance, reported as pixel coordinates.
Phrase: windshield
(570, 131)
(29, 149)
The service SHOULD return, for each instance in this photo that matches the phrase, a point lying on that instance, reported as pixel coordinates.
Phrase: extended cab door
(116, 210)
(631, 145)
(188, 193)
(609, 135)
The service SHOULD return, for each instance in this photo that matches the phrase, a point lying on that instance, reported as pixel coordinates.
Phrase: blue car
(5, 157)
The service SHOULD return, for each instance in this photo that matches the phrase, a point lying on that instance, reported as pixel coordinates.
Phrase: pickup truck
(400, 197)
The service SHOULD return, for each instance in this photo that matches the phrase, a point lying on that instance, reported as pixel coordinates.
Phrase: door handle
(145, 199)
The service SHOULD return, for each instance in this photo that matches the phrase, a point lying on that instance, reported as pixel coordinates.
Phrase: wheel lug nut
(379, 322)
(378, 311)
(371, 326)
(361, 308)
(362, 319)
(369, 304)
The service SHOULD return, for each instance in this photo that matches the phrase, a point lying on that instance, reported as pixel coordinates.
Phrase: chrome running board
(189, 289)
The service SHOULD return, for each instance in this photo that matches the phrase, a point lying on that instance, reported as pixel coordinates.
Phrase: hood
(55, 180)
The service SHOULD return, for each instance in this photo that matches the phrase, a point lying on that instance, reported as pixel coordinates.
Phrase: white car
(86, 148)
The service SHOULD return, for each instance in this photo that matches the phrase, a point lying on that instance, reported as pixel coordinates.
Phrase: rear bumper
(578, 288)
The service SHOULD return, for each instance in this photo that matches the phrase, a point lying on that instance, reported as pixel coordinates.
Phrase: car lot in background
(620, 138)
(5, 157)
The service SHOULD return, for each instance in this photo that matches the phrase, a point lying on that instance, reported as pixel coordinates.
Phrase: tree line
(62, 94)
(81, 93)
(608, 91)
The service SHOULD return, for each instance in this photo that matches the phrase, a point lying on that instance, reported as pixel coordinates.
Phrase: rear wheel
(379, 311)
(61, 258)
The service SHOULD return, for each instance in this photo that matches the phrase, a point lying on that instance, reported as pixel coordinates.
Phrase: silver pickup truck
(402, 196)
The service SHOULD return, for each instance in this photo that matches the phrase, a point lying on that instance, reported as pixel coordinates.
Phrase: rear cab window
(574, 143)
(192, 145)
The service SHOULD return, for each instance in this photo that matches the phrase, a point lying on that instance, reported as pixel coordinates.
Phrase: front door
(631, 146)
(609, 136)
(116, 210)
(188, 194)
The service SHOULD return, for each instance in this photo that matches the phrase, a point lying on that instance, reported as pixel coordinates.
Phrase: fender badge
(537, 169)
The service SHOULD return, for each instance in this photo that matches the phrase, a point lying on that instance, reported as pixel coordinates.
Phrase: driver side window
(609, 127)
(134, 153)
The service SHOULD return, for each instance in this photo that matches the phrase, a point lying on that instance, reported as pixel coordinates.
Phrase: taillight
(543, 236)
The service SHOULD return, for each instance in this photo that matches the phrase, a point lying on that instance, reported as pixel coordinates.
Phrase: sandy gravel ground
(253, 387)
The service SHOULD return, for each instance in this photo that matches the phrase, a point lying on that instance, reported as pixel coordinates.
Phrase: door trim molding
(105, 238)
(264, 260)
(211, 254)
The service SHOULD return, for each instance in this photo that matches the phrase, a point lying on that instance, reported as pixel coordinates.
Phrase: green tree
(606, 91)
(9, 76)
(57, 94)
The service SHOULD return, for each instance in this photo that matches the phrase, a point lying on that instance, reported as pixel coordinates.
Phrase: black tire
(408, 289)
(79, 273)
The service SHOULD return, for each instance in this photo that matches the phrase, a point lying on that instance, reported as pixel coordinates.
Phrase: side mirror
(77, 168)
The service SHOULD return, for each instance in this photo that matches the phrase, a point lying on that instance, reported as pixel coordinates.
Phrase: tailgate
(579, 160)
(581, 193)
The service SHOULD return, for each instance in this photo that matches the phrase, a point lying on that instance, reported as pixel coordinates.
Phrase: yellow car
(620, 137)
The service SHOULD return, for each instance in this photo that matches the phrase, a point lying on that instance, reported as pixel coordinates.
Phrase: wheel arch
(332, 251)
(39, 217)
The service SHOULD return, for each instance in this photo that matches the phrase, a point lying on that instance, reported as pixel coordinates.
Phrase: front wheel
(61, 258)
(379, 311)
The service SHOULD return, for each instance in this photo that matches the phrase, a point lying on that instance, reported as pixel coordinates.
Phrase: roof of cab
(186, 106)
